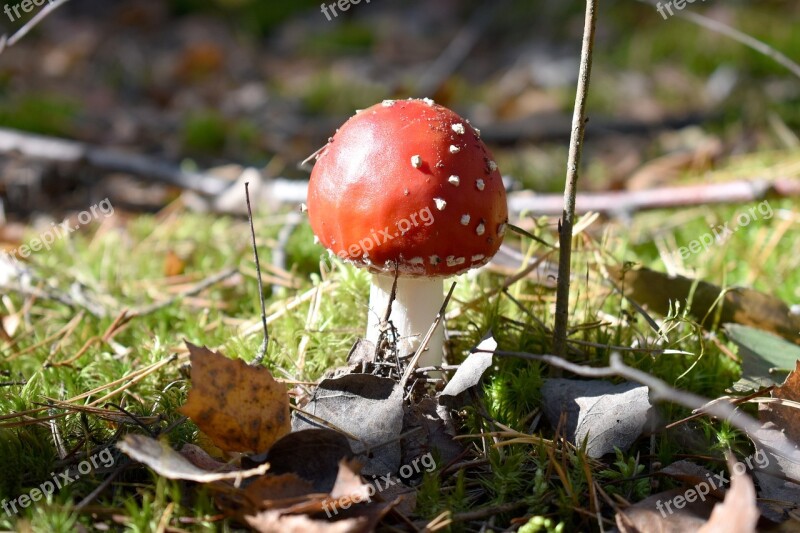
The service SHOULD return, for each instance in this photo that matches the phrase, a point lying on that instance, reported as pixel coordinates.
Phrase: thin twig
(570, 190)
(65, 151)
(659, 390)
(262, 350)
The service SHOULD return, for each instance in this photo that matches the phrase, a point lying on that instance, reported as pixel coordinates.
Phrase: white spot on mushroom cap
(303, 208)
(440, 203)
(477, 131)
(405, 192)
(454, 180)
(480, 184)
(480, 229)
(316, 239)
(464, 220)
(428, 101)
(454, 261)
(478, 257)
(434, 259)
(501, 229)
(454, 149)
(387, 103)
(492, 166)
(416, 161)
(458, 128)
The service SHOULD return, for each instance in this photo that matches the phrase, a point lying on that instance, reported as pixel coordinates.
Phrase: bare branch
(570, 189)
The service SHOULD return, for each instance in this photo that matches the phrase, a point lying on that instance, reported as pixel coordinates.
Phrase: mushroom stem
(414, 309)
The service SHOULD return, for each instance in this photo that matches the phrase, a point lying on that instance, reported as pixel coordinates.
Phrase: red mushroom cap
(408, 184)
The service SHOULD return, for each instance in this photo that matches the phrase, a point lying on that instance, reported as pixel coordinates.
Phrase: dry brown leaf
(279, 492)
(240, 407)
(172, 465)
(311, 454)
(785, 417)
(201, 459)
(690, 475)
(657, 290)
(658, 514)
(278, 500)
(738, 512)
(173, 264)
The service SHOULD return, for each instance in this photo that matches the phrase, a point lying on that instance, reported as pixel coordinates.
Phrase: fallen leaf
(362, 353)
(279, 491)
(201, 459)
(739, 305)
(350, 499)
(786, 417)
(690, 475)
(311, 454)
(738, 512)
(426, 430)
(777, 449)
(658, 514)
(170, 464)
(469, 373)
(173, 264)
(607, 416)
(367, 408)
(765, 356)
(240, 407)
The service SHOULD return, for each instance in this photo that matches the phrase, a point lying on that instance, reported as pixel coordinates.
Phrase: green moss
(44, 114)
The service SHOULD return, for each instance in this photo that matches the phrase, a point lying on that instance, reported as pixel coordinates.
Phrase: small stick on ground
(571, 189)
(262, 350)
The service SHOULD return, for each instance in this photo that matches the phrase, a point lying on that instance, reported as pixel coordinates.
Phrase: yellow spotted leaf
(240, 407)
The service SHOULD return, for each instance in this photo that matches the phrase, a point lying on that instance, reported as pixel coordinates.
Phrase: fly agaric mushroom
(408, 187)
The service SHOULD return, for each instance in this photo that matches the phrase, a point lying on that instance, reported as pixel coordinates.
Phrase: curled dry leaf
(469, 373)
(786, 417)
(240, 407)
(172, 465)
(369, 409)
(653, 515)
(201, 459)
(608, 416)
(738, 512)
(279, 502)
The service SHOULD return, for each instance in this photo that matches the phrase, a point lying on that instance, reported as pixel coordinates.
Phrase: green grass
(123, 263)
